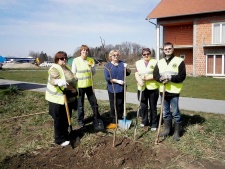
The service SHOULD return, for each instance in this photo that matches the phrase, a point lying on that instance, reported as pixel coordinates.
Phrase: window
(182, 56)
(215, 64)
(218, 34)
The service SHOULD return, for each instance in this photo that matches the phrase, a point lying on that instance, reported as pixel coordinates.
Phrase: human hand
(90, 63)
(121, 82)
(60, 82)
(164, 78)
(141, 83)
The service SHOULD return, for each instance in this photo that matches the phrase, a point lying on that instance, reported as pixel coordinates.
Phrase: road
(192, 104)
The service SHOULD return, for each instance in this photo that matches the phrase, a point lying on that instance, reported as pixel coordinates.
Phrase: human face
(168, 50)
(84, 53)
(146, 55)
(115, 57)
(62, 61)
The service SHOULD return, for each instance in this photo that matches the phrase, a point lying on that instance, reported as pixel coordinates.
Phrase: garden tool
(124, 124)
(97, 122)
(67, 109)
(67, 113)
(161, 113)
(135, 130)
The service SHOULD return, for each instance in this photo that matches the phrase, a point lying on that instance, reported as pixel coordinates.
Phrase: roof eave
(149, 18)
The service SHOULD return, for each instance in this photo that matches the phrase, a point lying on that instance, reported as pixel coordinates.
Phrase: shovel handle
(67, 112)
(161, 114)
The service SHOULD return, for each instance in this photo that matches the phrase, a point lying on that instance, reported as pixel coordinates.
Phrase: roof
(170, 8)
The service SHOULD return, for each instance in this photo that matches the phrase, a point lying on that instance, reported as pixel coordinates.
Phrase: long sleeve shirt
(114, 72)
(179, 78)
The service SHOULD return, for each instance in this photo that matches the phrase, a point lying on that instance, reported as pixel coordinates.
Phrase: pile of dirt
(18, 65)
(126, 154)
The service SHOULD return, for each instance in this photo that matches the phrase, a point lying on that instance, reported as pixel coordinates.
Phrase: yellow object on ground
(111, 126)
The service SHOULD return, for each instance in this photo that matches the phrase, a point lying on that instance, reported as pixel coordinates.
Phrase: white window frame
(214, 65)
(221, 33)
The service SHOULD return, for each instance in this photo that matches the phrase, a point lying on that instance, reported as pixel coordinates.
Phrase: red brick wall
(183, 35)
(204, 36)
(179, 34)
(188, 58)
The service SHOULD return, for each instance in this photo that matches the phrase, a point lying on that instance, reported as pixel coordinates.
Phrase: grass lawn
(196, 87)
(202, 133)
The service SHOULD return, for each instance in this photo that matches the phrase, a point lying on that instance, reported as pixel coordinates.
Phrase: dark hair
(167, 43)
(58, 55)
(146, 49)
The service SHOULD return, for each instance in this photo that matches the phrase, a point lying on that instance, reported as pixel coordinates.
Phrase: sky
(64, 25)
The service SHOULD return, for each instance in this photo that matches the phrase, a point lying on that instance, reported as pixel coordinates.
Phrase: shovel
(135, 130)
(124, 124)
(67, 110)
(161, 114)
(97, 122)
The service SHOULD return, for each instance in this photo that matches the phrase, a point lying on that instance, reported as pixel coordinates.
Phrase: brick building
(197, 30)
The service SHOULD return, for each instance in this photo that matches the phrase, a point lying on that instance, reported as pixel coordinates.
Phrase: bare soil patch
(101, 154)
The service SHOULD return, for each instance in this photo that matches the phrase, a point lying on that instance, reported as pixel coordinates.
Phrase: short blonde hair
(111, 53)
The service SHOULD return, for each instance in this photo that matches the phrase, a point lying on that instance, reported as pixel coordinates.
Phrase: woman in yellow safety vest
(83, 68)
(147, 89)
(61, 81)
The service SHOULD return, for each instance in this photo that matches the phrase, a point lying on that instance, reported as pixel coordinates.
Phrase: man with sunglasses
(171, 72)
(147, 89)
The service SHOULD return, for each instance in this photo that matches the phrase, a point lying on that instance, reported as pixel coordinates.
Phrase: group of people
(152, 77)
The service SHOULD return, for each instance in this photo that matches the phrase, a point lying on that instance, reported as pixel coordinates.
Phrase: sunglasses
(168, 49)
(146, 54)
(62, 58)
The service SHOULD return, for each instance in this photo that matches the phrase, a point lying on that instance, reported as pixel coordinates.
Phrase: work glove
(60, 83)
(141, 83)
(121, 82)
(125, 65)
(165, 78)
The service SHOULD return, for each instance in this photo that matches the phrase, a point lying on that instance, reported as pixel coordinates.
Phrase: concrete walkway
(192, 104)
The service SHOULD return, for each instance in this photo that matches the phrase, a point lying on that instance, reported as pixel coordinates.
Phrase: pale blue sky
(53, 25)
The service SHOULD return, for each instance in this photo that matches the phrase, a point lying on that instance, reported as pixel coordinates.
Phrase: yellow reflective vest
(172, 69)
(83, 72)
(53, 93)
(145, 71)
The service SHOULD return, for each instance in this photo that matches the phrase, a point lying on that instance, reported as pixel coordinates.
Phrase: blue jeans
(174, 113)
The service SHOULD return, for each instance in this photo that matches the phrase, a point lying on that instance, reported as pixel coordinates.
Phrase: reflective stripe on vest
(83, 72)
(145, 71)
(53, 93)
(172, 69)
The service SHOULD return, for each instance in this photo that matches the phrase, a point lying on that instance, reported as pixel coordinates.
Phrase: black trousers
(58, 113)
(151, 97)
(92, 100)
(119, 105)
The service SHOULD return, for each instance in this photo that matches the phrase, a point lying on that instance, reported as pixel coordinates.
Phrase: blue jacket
(114, 72)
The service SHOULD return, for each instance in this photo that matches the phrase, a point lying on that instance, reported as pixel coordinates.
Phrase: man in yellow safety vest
(171, 72)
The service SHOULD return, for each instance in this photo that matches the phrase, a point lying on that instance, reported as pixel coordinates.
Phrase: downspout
(157, 41)
(157, 38)
(194, 47)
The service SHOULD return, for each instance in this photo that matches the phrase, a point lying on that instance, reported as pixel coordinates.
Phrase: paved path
(193, 104)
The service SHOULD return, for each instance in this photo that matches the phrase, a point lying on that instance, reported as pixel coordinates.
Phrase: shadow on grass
(188, 120)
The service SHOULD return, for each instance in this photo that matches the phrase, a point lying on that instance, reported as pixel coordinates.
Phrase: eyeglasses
(116, 55)
(168, 49)
(62, 58)
(146, 54)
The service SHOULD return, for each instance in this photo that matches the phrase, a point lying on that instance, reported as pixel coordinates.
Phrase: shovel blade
(125, 125)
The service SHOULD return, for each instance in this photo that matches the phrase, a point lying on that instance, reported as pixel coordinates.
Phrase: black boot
(176, 135)
(167, 127)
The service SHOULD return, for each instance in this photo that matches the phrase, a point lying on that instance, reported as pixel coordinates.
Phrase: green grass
(195, 87)
(202, 133)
